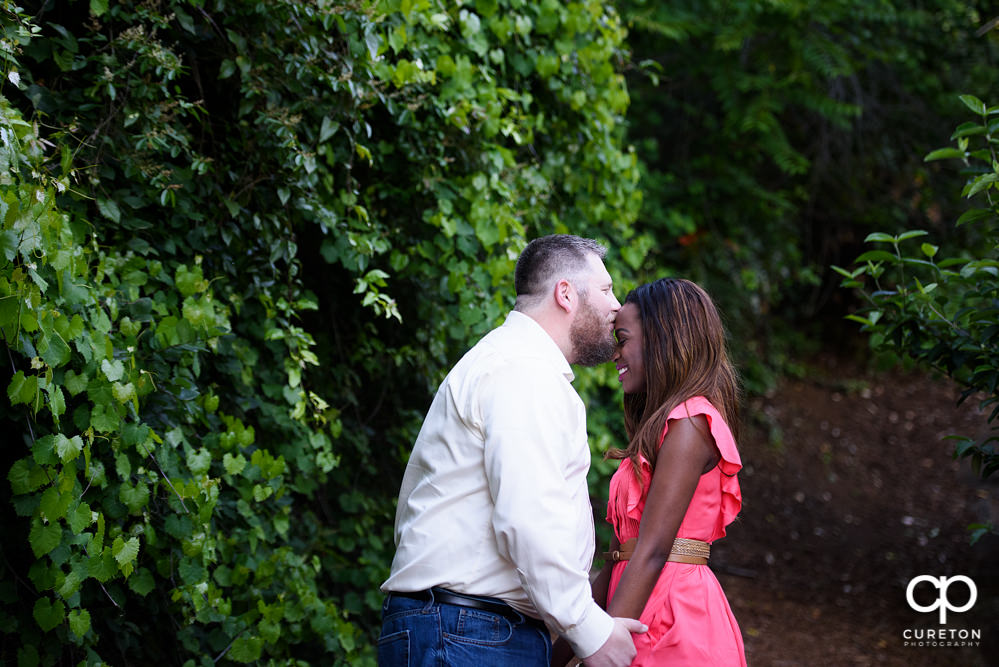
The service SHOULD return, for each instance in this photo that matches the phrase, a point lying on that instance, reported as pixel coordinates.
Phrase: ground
(849, 492)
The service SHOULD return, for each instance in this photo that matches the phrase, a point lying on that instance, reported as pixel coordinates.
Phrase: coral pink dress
(689, 618)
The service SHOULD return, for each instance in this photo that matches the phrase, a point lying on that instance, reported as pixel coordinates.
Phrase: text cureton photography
(936, 591)
(941, 637)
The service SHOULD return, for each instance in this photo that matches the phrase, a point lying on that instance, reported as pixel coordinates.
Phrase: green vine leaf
(135, 498)
(125, 552)
(113, 369)
(142, 582)
(49, 614)
(246, 649)
(21, 478)
(54, 505)
(79, 622)
(44, 537)
(67, 449)
(81, 518)
(22, 388)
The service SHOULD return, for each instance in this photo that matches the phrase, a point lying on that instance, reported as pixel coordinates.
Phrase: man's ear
(565, 296)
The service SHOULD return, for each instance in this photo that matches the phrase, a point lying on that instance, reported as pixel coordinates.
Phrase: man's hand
(619, 649)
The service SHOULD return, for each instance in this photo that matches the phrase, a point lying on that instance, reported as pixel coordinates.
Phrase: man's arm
(535, 459)
(562, 652)
(619, 649)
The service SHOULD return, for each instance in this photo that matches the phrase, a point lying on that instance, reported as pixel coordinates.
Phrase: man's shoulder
(498, 353)
(500, 360)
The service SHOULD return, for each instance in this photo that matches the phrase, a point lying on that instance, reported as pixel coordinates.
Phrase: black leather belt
(493, 605)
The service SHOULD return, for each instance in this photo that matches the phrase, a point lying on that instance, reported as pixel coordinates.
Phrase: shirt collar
(535, 336)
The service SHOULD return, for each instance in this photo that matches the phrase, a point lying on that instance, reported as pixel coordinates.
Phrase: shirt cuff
(587, 637)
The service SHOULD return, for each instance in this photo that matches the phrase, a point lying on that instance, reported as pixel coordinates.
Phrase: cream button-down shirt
(494, 500)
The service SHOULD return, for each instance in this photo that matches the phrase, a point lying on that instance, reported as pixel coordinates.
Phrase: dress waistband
(694, 552)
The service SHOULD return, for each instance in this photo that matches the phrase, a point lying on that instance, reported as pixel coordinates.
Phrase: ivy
(240, 243)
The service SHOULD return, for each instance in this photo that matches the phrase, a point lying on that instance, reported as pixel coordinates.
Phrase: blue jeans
(418, 633)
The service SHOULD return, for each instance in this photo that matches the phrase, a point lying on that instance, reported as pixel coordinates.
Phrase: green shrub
(939, 309)
(241, 243)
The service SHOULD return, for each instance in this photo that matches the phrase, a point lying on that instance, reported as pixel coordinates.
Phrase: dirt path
(849, 493)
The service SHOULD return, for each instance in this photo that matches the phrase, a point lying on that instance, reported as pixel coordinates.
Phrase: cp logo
(942, 602)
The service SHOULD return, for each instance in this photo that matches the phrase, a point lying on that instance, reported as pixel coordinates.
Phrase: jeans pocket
(393, 649)
(481, 639)
(480, 628)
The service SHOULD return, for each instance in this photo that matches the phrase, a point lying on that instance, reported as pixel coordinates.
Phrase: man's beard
(592, 342)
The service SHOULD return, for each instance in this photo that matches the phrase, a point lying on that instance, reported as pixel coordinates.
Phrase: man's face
(592, 330)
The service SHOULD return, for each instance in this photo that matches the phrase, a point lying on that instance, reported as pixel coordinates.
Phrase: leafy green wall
(242, 241)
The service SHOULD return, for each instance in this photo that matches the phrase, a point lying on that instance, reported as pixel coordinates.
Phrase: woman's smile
(628, 357)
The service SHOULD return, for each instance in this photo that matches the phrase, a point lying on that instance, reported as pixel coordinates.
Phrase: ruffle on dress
(729, 464)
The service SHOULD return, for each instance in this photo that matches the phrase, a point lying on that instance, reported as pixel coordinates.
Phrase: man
(494, 528)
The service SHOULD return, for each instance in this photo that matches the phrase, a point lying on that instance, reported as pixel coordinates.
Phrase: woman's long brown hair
(684, 356)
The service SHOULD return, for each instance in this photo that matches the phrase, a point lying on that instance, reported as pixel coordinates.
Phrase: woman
(675, 489)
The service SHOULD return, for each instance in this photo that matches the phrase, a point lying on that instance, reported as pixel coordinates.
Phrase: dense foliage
(774, 136)
(938, 308)
(240, 243)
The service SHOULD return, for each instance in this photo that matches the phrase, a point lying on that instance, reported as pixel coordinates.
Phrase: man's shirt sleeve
(536, 458)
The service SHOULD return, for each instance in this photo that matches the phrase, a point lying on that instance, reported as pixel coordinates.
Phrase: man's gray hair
(548, 259)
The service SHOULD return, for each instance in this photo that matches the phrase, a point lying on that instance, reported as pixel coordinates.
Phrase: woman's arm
(687, 452)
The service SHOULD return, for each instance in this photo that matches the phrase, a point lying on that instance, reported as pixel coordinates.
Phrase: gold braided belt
(694, 552)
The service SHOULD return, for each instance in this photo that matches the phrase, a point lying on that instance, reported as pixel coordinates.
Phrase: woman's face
(628, 357)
